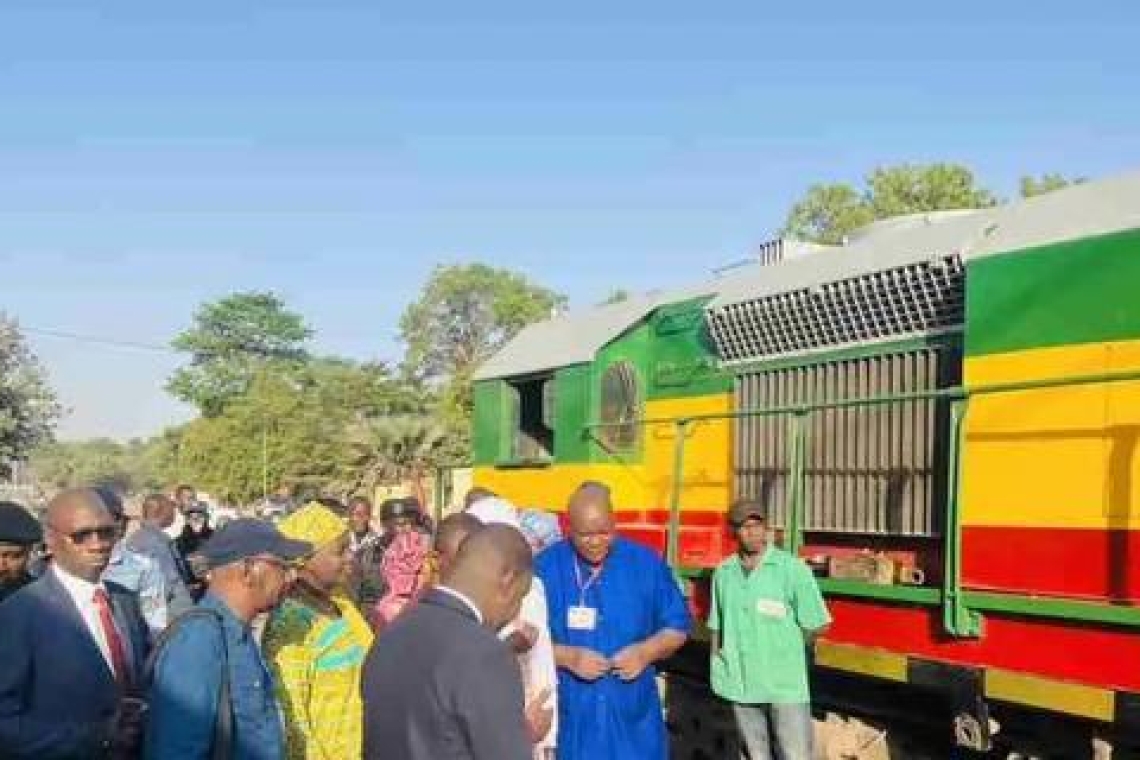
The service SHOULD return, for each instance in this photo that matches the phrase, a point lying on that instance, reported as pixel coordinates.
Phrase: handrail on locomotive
(959, 618)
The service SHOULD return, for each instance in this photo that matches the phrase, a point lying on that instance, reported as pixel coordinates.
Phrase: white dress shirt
(82, 593)
(537, 665)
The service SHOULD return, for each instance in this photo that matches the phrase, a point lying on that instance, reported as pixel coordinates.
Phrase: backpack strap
(224, 714)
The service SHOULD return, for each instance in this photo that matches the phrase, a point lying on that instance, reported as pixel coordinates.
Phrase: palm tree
(395, 448)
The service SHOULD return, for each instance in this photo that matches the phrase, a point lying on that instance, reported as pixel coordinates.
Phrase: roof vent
(916, 299)
(779, 249)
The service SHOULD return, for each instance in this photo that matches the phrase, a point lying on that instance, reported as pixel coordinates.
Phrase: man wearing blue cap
(211, 690)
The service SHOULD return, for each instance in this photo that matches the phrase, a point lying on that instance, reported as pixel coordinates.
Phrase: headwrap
(495, 511)
(540, 528)
(402, 568)
(315, 523)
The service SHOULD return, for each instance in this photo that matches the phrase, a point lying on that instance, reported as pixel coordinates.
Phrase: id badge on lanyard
(580, 617)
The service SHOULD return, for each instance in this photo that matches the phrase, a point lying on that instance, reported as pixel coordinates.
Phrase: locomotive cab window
(532, 419)
(620, 407)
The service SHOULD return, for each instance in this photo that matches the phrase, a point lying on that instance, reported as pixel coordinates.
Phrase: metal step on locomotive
(942, 415)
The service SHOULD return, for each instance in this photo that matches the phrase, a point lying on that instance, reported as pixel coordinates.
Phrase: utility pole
(264, 462)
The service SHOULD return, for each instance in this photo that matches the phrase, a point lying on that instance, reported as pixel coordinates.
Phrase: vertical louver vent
(876, 469)
(915, 299)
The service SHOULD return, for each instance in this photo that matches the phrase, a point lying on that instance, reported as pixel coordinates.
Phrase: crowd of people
(336, 633)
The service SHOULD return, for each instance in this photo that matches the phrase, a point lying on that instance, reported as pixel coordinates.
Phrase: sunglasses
(84, 535)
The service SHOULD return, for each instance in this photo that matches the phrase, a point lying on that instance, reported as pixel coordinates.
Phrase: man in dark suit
(73, 647)
(438, 683)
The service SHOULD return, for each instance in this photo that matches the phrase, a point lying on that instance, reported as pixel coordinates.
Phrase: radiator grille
(920, 298)
(871, 469)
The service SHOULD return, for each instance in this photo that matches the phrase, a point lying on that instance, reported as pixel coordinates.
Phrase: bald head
(591, 519)
(591, 494)
(81, 532)
(66, 503)
(492, 567)
(453, 530)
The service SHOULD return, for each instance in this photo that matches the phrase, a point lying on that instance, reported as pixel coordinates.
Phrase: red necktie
(111, 633)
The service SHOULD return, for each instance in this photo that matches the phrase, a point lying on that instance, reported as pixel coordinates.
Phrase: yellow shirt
(317, 660)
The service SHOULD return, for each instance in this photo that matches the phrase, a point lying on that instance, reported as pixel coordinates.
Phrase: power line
(97, 340)
(259, 352)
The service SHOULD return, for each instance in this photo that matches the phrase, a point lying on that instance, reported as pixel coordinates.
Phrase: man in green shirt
(766, 608)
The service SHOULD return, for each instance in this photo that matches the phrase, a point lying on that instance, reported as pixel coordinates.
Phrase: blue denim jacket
(140, 574)
(184, 693)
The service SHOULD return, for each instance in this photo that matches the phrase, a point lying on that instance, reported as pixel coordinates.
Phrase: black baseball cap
(17, 526)
(390, 509)
(248, 537)
(742, 511)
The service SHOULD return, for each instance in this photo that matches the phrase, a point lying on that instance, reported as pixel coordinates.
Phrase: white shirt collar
(81, 590)
(82, 593)
(463, 598)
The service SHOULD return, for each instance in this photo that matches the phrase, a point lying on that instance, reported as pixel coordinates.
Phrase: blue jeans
(775, 732)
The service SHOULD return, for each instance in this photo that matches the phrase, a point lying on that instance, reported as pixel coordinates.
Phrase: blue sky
(154, 155)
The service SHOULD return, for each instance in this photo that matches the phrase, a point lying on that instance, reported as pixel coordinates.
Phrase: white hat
(495, 511)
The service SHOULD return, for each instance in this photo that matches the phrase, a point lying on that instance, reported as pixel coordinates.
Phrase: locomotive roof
(885, 245)
(1090, 208)
(1076, 211)
(574, 337)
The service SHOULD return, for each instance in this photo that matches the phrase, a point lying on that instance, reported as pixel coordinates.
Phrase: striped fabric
(317, 660)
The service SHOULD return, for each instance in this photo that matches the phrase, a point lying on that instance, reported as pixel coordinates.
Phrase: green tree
(232, 339)
(464, 314)
(616, 296)
(292, 429)
(28, 406)
(829, 213)
(914, 188)
(138, 465)
(1046, 183)
(398, 447)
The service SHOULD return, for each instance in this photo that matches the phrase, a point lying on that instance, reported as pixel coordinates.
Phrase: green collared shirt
(761, 618)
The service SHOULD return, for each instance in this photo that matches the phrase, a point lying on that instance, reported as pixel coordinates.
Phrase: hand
(523, 638)
(588, 664)
(539, 717)
(631, 662)
(127, 728)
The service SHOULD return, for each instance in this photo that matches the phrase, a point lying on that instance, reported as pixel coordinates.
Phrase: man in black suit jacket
(73, 647)
(438, 683)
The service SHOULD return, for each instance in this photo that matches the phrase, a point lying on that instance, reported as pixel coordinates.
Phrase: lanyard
(583, 588)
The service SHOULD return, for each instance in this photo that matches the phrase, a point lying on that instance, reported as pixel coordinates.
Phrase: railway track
(862, 721)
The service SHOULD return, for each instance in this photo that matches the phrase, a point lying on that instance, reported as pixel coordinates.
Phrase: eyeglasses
(84, 535)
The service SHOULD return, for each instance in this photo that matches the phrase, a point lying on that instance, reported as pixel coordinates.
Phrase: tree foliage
(1046, 183)
(915, 188)
(28, 406)
(464, 314)
(274, 416)
(616, 295)
(137, 465)
(398, 447)
(232, 339)
(828, 213)
(290, 429)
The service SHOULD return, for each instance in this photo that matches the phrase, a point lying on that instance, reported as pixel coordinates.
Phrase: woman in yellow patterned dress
(315, 644)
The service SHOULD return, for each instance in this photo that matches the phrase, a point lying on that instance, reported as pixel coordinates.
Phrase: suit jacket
(440, 686)
(58, 697)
